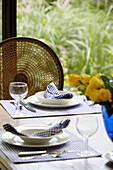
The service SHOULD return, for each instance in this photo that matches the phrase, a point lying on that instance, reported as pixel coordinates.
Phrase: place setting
(36, 136)
(54, 98)
(33, 143)
(51, 102)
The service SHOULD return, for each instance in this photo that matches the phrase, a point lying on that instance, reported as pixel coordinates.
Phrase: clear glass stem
(86, 142)
(18, 105)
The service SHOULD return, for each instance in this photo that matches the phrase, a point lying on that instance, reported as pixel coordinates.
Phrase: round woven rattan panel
(31, 61)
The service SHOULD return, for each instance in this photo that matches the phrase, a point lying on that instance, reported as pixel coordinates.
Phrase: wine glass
(86, 127)
(18, 91)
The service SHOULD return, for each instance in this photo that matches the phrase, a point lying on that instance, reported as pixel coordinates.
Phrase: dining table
(100, 141)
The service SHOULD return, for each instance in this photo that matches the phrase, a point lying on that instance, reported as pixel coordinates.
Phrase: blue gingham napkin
(53, 93)
(46, 133)
(53, 130)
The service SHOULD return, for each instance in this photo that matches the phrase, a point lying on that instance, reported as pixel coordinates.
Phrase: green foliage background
(80, 32)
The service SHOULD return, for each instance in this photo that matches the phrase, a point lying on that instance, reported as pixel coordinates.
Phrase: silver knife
(27, 106)
(30, 153)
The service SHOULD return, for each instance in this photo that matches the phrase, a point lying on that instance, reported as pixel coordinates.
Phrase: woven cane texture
(31, 61)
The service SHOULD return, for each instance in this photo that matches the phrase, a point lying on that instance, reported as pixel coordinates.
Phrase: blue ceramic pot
(108, 121)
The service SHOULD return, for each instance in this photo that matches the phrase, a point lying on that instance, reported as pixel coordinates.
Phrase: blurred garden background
(79, 31)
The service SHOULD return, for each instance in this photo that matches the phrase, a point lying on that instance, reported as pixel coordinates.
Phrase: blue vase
(108, 121)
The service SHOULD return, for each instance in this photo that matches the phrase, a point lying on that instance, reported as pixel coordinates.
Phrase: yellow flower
(88, 90)
(99, 75)
(105, 95)
(96, 83)
(93, 95)
(96, 88)
(74, 79)
(85, 78)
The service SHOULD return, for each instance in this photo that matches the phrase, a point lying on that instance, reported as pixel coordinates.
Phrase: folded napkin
(53, 93)
(53, 130)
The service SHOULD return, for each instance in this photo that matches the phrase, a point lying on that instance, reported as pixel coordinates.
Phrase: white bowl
(28, 130)
(40, 96)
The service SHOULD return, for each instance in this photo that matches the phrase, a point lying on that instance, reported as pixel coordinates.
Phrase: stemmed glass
(86, 127)
(18, 91)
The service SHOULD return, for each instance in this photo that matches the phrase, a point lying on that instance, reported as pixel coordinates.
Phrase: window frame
(9, 24)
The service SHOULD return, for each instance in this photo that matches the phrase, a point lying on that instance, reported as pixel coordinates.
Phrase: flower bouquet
(99, 89)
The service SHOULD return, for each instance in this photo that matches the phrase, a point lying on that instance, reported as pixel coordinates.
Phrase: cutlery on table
(16, 105)
(27, 106)
(43, 153)
(31, 153)
(89, 102)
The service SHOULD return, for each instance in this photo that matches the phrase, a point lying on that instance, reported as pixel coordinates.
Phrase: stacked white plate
(40, 96)
(54, 140)
(40, 100)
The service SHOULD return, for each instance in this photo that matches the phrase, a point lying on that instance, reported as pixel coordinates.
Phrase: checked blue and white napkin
(53, 93)
(53, 130)
(46, 133)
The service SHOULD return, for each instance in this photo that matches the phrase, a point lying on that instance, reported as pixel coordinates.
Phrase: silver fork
(16, 105)
(89, 102)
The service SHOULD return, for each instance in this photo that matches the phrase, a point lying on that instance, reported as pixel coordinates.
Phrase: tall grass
(82, 37)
